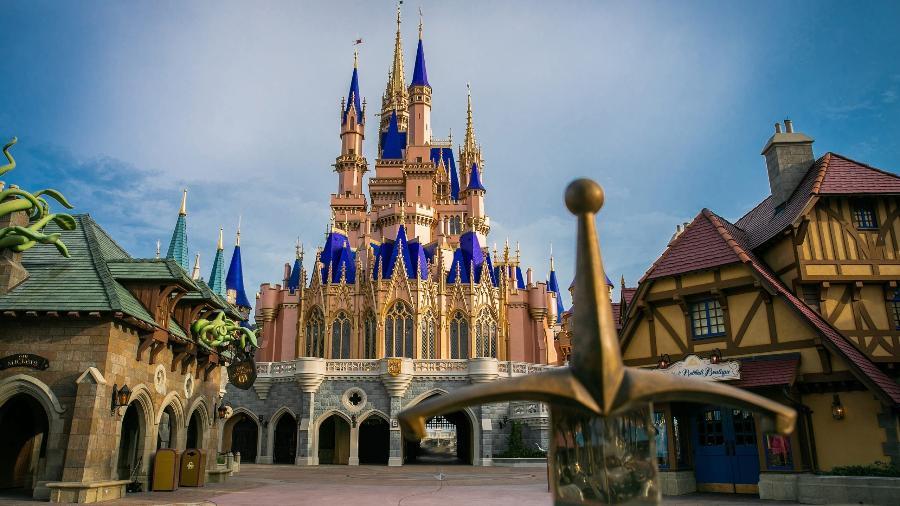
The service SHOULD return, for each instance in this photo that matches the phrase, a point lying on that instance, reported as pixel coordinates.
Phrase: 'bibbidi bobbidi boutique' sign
(701, 368)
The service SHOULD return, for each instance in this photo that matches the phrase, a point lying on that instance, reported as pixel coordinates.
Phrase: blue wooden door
(725, 454)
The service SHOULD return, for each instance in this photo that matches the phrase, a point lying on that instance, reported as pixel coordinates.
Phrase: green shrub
(877, 469)
(515, 446)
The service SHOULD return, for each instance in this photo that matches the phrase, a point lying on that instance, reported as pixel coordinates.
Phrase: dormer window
(864, 217)
(707, 319)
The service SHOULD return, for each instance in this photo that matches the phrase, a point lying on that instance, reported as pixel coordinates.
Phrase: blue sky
(667, 104)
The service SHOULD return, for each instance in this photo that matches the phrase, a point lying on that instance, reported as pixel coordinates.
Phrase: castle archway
(132, 441)
(334, 440)
(25, 428)
(244, 436)
(285, 440)
(374, 440)
(451, 438)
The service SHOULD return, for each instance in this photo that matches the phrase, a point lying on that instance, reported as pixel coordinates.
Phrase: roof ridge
(669, 246)
(738, 248)
(866, 165)
(826, 159)
(100, 267)
(106, 235)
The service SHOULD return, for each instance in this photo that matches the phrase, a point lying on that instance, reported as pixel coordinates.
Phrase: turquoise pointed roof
(217, 274)
(178, 246)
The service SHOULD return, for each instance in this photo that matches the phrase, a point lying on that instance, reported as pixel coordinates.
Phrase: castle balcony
(463, 370)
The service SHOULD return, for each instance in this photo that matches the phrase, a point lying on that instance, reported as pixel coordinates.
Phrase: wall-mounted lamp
(837, 409)
(716, 356)
(120, 396)
(222, 411)
(503, 421)
(664, 361)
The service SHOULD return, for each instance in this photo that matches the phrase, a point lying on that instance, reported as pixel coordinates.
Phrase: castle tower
(475, 202)
(234, 280)
(217, 274)
(420, 100)
(349, 202)
(178, 246)
(469, 152)
(553, 286)
(396, 97)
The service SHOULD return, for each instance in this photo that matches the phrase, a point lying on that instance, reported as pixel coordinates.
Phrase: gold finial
(518, 252)
(420, 23)
(551, 257)
(355, 58)
(396, 84)
(469, 142)
(183, 210)
(237, 239)
(221, 244)
(402, 214)
(157, 249)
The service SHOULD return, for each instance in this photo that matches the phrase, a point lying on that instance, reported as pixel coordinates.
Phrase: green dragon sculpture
(222, 332)
(14, 199)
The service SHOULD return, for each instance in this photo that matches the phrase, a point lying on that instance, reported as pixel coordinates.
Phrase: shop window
(679, 441)
(662, 439)
(894, 309)
(864, 214)
(778, 452)
(709, 428)
(811, 296)
(707, 319)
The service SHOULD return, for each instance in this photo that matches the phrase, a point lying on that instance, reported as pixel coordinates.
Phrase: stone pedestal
(483, 370)
(81, 492)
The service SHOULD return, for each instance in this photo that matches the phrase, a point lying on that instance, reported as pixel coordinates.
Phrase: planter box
(520, 462)
(677, 482)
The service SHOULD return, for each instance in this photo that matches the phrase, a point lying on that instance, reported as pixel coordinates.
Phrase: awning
(768, 370)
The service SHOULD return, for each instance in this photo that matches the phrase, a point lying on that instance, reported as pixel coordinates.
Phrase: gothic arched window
(485, 334)
(369, 335)
(429, 340)
(315, 334)
(398, 331)
(459, 335)
(455, 225)
(340, 336)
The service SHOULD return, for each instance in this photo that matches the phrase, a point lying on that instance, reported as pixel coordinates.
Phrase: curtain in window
(398, 331)
(340, 336)
(315, 334)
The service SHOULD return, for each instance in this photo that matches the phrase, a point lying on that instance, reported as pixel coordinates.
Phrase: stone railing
(528, 409)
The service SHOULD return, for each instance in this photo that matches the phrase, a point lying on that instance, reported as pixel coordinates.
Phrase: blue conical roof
(294, 278)
(393, 141)
(338, 257)
(217, 274)
(469, 256)
(178, 246)
(553, 286)
(234, 280)
(450, 166)
(420, 75)
(353, 98)
(475, 179)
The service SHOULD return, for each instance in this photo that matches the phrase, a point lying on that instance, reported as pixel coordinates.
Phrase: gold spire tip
(183, 210)
(356, 58)
(221, 244)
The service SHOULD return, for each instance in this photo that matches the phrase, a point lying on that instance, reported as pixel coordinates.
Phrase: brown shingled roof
(699, 247)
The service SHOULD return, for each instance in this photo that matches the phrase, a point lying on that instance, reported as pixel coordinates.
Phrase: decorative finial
(157, 249)
(196, 274)
(183, 210)
(402, 214)
(355, 58)
(551, 257)
(237, 239)
(298, 249)
(221, 244)
(420, 23)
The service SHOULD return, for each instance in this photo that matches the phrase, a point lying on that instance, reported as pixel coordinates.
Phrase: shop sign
(701, 368)
(242, 374)
(24, 360)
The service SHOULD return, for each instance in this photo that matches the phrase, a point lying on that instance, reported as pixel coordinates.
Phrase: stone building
(798, 301)
(98, 368)
(404, 301)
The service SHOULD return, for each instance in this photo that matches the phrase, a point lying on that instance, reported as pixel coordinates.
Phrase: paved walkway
(259, 485)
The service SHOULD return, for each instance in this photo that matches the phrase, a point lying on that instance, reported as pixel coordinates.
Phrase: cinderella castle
(404, 301)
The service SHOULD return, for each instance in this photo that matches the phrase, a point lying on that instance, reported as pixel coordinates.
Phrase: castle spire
(420, 75)
(178, 245)
(217, 274)
(234, 280)
(469, 143)
(396, 96)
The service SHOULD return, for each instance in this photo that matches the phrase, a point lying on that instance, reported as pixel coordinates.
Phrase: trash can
(193, 468)
(165, 470)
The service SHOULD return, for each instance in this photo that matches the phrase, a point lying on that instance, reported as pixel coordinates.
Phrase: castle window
(398, 331)
(340, 336)
(811, 296)
(371, 327)
(459, 336)
(486, 334)
(315, 334)
(455, 225)
(707, 319)
(864, 214)
(894, 310)
(429, 341)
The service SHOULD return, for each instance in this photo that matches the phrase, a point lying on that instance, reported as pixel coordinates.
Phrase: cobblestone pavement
(259, 485)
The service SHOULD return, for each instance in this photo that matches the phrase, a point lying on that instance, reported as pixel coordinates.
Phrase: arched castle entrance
(195, 431)
(285, 440)
(242, 434)
(131, 441)
(24, 427)
(334, 440)
(450, 438)
(374, 436)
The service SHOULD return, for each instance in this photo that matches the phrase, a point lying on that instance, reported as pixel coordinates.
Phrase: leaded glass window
(370, 330)
(459, 335)
(455, 225)
(398, 331)
(429, 340)
(707, 319)
(486, 334)
(864, 214)
(315, 334)
(340, 336)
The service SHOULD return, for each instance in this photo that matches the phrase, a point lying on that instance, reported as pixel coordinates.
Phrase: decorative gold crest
(394, 366)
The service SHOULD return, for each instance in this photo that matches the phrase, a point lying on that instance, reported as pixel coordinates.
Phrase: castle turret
(553, 286)
(178, 246)
(469, 152)
(217, 274)
(234, 280)
(420, 100)
(396, 97)
(294, 278)
(351, 165)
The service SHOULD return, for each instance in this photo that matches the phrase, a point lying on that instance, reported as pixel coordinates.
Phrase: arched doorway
(166, 435)
(244, 438)
(131, 441)
(374, 441)
(334, 441)
(24, 428)
(449, 440)
(195, 430)
(285, 444)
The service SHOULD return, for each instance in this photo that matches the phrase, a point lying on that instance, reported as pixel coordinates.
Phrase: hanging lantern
(837, 409)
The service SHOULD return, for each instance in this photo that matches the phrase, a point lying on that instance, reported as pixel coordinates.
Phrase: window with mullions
(894, 309)
(707, 319)
(398, 331)
(864, 217)
(429, 341)
(370, 329)
(486, 334)
(662, 439)
(340, 336)
(459, 335)
(315, 334)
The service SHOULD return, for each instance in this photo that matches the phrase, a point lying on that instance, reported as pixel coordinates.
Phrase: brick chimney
(789, 156)
(11, 270)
